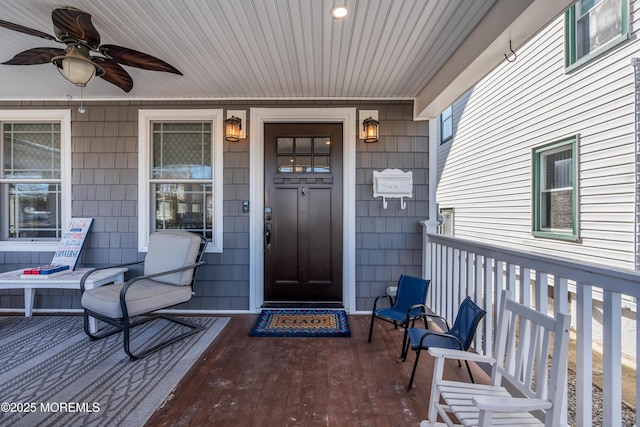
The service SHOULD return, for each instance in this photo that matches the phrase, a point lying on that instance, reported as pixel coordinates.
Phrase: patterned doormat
(51, 374)
(301, 323)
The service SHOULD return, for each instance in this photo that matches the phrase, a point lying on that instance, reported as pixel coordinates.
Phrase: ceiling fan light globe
(76, 65)
(78, 72)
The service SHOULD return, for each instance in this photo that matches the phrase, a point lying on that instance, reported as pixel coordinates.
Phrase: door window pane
(303, 164)
(303, 145)
(303, 154)
(285, 164)
(322, 145)
(322, 164)
(284, 146)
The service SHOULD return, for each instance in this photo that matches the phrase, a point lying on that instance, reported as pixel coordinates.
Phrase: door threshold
(301, 304)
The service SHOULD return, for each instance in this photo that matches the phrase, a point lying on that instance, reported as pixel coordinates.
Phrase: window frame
(538, 152)
(448, 216)
(571, 62)
(145, 132)
(45, 116)
(444, 139)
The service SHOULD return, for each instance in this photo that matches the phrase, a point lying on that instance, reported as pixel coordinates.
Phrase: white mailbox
(392, 184)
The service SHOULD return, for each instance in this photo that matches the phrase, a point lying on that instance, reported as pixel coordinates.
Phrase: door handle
(267, 237)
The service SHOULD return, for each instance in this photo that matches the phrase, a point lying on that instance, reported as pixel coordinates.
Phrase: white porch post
(430, 225)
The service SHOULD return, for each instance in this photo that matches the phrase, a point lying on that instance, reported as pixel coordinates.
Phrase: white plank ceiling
(253, 49)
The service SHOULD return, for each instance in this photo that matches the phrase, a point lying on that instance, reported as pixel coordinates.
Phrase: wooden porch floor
(245, 381)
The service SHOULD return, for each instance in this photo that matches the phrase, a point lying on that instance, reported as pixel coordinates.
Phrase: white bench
(523, 390)
(71, 280)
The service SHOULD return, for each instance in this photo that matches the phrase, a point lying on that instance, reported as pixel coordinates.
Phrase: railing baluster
(433, 294)
(612, 358)
(561, 305)
(446, 302)
(584, 359)
(488, 300)
(525, 286)
(456, 285)
(542, 292)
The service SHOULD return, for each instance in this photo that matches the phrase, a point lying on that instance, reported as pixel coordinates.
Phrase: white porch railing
(459, 268)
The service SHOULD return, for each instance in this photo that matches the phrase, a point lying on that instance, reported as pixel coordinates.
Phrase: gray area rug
(52, 375)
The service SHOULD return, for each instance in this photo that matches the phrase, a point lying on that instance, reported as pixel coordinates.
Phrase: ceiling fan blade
(26, 30)
(69, 22)
(38, 55)
(115, 74)
(133, 58)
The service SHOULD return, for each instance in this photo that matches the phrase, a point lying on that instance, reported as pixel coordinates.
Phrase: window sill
(555, 236)
(599, 52)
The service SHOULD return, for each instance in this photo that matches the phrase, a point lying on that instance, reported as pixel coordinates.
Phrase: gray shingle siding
(104, 186)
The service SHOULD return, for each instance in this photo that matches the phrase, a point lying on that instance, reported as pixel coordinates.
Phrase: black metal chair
(409, 304)
(170, 268)
(459, 337)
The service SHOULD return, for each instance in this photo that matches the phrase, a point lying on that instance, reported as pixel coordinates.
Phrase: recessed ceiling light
(339, 11)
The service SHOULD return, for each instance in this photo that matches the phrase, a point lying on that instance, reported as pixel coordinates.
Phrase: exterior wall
(105, 187)
(485, 172)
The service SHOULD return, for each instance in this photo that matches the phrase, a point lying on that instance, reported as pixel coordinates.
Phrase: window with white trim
(35, 186)
(555, 191)
(180, 173)
(593, 27)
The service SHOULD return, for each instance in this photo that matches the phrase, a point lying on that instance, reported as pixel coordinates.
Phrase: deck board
(256, 381)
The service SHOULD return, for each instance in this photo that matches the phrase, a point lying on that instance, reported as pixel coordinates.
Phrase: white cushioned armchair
(169, 274)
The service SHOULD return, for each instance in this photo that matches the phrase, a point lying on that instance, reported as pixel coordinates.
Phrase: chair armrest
(375, 302)
(125, 288)
(434, 315)
(162, 273)
(460, 355)
(411, 309)
(426, 315)
(443, 335)
(86, 275)
(510, 404)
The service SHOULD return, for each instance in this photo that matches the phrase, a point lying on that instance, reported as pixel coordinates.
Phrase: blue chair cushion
(395, 314)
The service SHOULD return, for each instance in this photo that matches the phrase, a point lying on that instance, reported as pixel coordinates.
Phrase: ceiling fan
(84, 56)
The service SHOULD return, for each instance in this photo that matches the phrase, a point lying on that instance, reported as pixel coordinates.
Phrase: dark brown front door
(303, 214)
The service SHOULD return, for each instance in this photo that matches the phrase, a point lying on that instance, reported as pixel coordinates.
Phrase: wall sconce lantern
(233, 126)
(232, 129)
(370, 126)
(369, 120)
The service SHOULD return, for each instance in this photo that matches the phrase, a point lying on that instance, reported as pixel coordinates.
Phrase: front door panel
(303, 214)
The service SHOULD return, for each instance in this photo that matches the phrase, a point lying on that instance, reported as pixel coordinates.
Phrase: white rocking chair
(523, 391)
